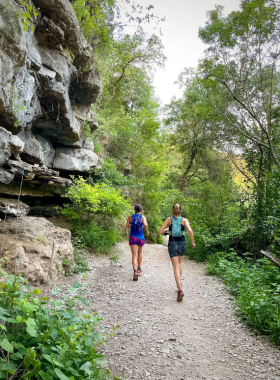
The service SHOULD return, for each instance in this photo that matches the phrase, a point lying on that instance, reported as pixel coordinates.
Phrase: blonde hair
(176, 210)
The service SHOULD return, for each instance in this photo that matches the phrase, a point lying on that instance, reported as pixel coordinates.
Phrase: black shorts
(177, 248)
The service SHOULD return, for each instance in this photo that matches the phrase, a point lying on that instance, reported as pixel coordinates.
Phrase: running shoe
(139, 271)
(180, 296)
(135, 276)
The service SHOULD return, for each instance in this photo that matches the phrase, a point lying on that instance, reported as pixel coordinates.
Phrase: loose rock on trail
(160, 338)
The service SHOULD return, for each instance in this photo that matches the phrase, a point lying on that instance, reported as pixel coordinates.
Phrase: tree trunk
(186, 172)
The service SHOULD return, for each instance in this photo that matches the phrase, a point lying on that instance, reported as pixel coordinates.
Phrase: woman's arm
(186, 224)
(129, 220)
(144, 221)
(163, 227)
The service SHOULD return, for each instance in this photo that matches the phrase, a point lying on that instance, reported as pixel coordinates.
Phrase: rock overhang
(48, 82)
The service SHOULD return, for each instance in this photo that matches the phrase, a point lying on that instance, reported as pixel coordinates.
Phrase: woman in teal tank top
(137, 223)
(177, 244)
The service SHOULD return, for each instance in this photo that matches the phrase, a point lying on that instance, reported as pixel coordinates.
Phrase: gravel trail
(160, 338)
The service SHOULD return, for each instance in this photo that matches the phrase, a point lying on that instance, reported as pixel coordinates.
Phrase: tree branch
(271, 258)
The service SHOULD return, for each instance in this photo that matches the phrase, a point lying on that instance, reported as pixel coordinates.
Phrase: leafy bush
(108, 174)
(89, 201)
(257, 287)
(96, 237)
(102, 203)
(48, 339)
(80, 256)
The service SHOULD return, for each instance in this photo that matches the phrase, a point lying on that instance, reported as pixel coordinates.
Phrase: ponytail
(176, 210)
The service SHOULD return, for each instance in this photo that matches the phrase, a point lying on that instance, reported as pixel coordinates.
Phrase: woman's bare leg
(180, 265)
(177, 274)
(140, 256)
(134, 256)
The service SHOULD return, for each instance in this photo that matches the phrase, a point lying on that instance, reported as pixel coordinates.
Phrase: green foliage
(97, 237)
(48, 339)
(80, 256)
(101, 203)
(87, 131)
(67, 266)
(94, 18)
(89, 201)
(102, 20)
(128, 119)
(109, 174)
(26, 16)
(114, 258)
(265, 214)
(257, 287)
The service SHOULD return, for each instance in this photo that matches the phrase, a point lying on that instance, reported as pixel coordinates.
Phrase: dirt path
(159, 338)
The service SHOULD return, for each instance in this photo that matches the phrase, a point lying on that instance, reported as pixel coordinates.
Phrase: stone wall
(48, 82)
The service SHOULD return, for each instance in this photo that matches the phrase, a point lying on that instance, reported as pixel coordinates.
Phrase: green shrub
(90, 201)
(80, 256)
(96, 237)
(102, 203)
(108, 174)
(48, 339)
(67, 267)
(257, 287)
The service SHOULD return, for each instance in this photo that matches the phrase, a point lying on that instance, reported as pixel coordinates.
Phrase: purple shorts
(136, 241)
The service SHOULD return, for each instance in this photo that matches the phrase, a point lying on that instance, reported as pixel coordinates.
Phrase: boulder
(13, 208)
(36, 248)
(5, 176)
(9, 144)
(17, 145)
(37, 149)
(74, 159)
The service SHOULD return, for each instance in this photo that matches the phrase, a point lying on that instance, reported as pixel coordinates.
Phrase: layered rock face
(35, 248)
(48, 82)
(13, 207)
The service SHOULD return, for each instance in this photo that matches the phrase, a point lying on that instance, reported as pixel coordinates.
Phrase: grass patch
(96, 237)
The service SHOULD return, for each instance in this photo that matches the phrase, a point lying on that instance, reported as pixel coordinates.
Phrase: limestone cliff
(48, 82)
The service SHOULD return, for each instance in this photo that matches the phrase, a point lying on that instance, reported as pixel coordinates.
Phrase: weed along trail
(159, 338)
